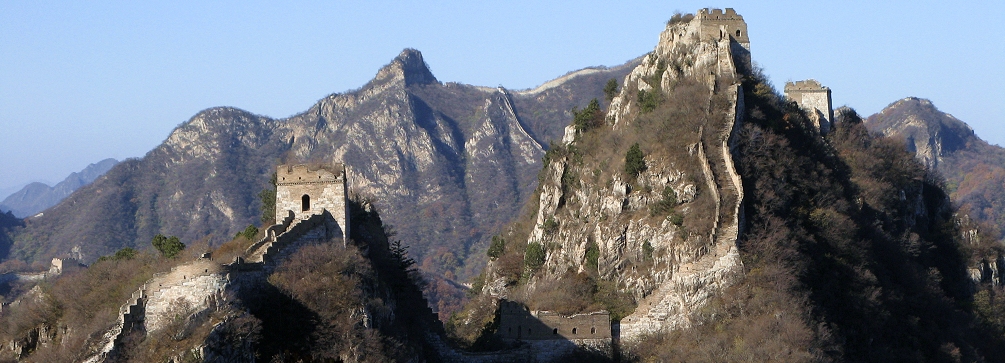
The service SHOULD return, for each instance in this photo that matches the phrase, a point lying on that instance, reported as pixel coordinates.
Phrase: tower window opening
(738, 32)
(305, 203)
(554, 331)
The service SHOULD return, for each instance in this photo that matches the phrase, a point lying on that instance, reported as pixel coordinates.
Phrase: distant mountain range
(36, 197)
(974, 170)
(449, 165)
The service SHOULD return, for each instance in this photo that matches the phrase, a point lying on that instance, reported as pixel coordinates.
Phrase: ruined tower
(716, 25)
(303, 191)
(815, 99)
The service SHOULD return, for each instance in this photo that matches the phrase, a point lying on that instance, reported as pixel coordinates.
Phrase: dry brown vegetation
(839, 266)
(77, 307)
(667, 133)
(329, 282)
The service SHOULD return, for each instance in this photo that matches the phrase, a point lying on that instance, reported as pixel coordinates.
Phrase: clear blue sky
(80, 81)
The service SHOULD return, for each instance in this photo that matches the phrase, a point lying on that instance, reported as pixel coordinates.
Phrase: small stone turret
(302, 192)
(815, 99)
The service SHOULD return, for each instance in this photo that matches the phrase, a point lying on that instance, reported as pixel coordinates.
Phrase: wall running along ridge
(189, 292)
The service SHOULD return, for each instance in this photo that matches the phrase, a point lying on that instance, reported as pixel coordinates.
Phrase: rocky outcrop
(691, 284)
(672, 271)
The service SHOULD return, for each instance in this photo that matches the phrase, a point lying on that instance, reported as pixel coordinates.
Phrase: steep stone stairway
(692, 283)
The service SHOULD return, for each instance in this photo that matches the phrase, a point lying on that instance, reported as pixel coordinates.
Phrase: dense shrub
(534, 257)
(648, 100)
(634, 161)
(592, 255)
(611, 89)
(589, 117)
(125, 253)
(497, 247)
(169, 247)
(550, 225)
(666, 203)
(267, 199)
(249, 233)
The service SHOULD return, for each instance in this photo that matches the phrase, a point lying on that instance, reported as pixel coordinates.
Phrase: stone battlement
(718, 14)
(716, 24)
(809, 85)
(302, 174)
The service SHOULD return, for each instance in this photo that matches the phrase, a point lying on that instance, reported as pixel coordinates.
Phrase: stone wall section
(270, 249)
(187, 289)
(518, 323)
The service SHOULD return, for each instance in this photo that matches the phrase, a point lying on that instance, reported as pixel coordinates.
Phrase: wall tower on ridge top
(716, 25)
(303, 191)
(815, 99)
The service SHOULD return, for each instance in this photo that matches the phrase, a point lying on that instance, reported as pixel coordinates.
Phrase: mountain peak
(926, 131)
(408, 66)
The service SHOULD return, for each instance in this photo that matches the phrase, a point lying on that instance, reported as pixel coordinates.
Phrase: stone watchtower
(303, 191)
(815, 99)
(716, 25)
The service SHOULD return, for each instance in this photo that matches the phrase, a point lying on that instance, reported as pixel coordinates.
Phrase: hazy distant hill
(36, 197)
(974, 170)
(448, 163)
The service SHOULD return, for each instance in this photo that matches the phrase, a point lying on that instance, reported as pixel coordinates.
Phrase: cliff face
(450, 163)
(666, 236)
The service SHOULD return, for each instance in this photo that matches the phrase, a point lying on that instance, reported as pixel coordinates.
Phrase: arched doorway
(305, 202)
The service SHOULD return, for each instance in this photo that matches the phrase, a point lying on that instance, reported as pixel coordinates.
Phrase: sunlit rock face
(670, 270)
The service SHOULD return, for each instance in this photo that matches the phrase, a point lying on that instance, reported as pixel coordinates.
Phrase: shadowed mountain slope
(974, 170)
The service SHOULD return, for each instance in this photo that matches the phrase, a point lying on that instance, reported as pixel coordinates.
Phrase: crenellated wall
(516, 322)
(717, 25)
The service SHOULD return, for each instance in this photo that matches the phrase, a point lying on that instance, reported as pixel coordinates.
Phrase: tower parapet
(303, 191)
(717, 25)
(815, 99)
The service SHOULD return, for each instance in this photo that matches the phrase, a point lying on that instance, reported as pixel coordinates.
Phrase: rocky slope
(974, 170)
(36, 197)
(449, 163)
(666, 236)
(737, 231)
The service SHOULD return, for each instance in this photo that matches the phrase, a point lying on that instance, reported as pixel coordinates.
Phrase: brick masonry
(305, 192)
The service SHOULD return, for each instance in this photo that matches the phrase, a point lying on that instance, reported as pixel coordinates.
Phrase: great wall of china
(308, 217)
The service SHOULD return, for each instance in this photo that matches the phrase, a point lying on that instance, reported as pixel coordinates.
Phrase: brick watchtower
(303, 191)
